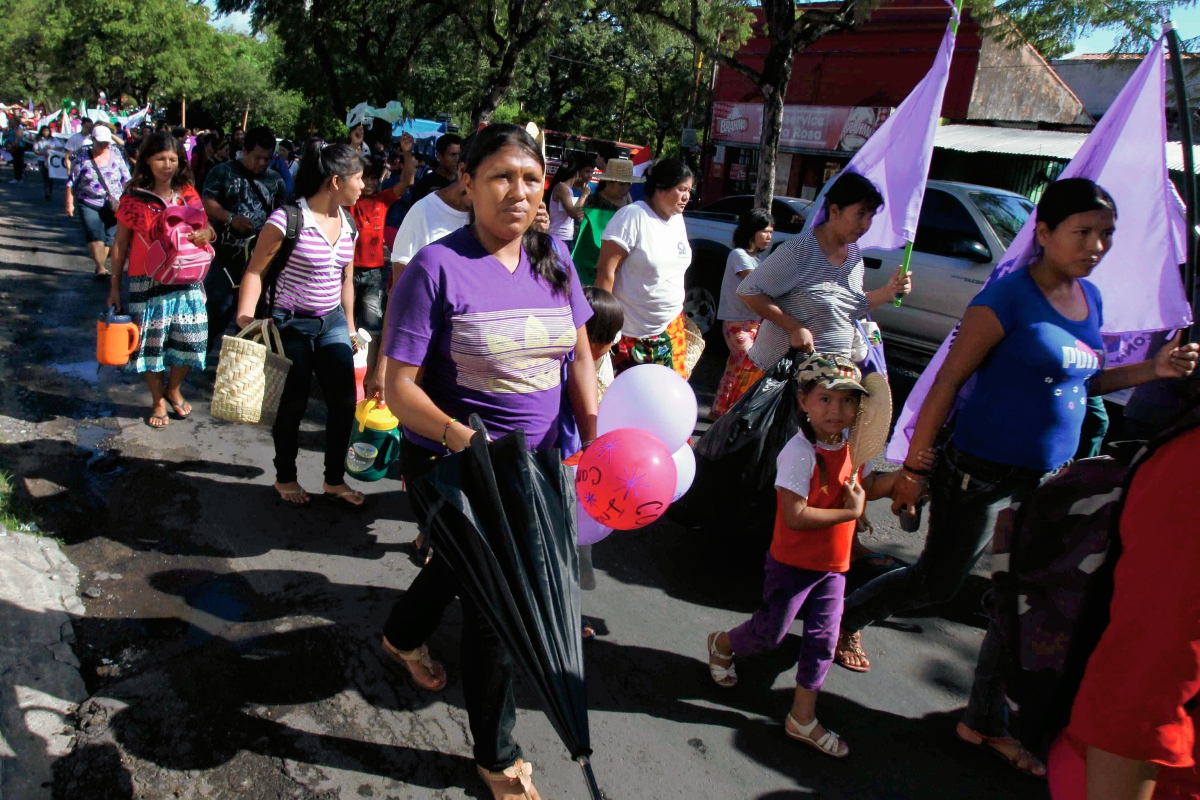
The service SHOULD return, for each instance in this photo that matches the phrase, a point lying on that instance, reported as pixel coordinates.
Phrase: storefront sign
(842, 128)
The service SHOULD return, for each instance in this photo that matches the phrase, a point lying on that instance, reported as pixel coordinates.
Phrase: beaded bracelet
(446, 431)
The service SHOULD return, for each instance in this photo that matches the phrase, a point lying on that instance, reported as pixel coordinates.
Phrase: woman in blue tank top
(1032, 342)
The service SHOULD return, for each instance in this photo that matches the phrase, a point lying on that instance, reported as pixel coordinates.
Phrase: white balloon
(653, 398)
(685, 470)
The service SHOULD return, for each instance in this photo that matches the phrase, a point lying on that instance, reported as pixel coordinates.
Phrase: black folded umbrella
(503, 519)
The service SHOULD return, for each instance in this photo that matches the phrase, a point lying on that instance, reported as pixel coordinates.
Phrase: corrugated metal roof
(1014, 141)
(1021, 142)
(1175, 157)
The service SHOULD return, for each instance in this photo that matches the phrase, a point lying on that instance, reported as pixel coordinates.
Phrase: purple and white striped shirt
(311, 281)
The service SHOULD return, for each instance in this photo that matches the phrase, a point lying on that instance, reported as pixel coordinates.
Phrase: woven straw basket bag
(250, 375)
(695, 346)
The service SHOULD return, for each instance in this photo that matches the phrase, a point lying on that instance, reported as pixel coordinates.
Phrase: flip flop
(348, 495)
(412, 659)
(162, 417)
(177, 409)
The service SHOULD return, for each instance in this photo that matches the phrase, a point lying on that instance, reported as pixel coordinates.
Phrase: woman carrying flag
(1032, 342)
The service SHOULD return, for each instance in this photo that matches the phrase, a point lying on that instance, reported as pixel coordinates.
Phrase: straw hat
(874, 420)
(619, 170)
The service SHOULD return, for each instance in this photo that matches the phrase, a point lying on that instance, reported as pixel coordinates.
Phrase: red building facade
(846, 84)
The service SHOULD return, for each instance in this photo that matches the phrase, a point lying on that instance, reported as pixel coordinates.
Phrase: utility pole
(1189, 169)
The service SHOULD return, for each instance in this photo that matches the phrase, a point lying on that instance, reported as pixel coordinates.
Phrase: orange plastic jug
(116, 338)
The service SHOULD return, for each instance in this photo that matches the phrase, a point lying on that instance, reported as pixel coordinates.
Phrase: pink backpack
(170, 257)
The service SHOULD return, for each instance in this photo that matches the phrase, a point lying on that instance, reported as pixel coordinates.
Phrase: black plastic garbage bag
(503, 519)
(735, 458)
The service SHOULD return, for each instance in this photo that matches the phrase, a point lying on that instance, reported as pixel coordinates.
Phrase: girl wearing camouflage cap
(820, 498)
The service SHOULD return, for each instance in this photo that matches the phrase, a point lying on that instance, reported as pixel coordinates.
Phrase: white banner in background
(56, 162)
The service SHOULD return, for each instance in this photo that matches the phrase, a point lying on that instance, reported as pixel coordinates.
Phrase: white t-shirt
(649, 285)
(797, 461)
(733, 308)
(427, 221)
(562, 225)
(74, 143)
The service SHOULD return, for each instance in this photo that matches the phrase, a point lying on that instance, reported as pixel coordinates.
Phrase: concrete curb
(39, 673)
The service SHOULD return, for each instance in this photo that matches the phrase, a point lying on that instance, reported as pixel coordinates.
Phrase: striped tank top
(311, 281)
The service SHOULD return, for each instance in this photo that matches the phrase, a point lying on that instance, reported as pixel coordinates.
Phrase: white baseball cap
(101, 134)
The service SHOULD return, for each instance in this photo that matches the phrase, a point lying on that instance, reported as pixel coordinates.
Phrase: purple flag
(1139, 279)
(896, 158)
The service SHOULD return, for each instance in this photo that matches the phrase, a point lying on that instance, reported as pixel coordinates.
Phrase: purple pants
(788, 592)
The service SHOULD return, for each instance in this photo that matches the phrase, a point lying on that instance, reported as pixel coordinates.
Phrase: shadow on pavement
(934, 763)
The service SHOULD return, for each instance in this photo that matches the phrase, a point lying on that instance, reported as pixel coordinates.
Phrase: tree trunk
(335, 87)
(772, 126)
(776, 75)
(501, 81)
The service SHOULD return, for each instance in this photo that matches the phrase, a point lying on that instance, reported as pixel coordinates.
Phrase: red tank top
(826, 549)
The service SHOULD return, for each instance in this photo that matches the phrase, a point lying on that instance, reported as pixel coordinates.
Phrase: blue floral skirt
(173, 325)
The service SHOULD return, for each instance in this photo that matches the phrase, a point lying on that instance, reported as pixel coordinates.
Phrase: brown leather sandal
(850, 645)
(1014, 753)
(411, 658)
(514, 783)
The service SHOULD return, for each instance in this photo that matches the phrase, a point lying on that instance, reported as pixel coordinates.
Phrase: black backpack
(1052, 601)
(270, 279)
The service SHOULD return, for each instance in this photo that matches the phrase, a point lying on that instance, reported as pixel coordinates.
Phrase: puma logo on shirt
(1080, 356)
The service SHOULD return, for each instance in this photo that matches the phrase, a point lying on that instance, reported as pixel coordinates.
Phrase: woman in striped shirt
(313, 307)
(809, 291)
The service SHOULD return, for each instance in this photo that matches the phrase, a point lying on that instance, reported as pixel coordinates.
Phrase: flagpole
(908, 247)
(1189, 168)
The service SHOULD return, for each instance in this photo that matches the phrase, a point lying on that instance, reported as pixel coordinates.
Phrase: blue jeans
(967, 494)
(99, 224)
(320, 346)
(220, 299)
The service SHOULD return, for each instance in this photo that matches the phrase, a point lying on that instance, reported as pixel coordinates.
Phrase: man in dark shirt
(238, 195)
(448, 147)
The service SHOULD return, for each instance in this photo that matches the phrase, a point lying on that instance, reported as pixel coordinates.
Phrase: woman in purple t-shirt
(489, 313)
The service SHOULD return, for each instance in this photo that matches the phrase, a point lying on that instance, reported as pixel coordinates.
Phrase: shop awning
(1012, 141)
(1043, 144)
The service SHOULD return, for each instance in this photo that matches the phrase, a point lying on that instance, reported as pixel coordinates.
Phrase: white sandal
(725, 677)
(830, 744)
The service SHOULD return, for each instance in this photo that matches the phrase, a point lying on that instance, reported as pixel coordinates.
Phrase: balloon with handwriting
(626, 479)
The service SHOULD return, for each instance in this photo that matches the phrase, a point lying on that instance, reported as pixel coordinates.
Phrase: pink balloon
(626, 479)
(590, 531)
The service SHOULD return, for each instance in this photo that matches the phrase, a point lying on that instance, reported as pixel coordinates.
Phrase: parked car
(710, 232)
(962, 232)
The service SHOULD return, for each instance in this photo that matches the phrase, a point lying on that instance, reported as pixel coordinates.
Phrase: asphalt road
(231, 645)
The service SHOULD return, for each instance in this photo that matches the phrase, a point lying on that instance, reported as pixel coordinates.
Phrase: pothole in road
(88, 371)
(90, 437)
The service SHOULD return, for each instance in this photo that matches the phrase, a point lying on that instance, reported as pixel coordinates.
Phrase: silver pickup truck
(961, 235)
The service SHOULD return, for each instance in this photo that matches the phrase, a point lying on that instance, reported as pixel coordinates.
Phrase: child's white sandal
(830, 743)
(725, 677)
